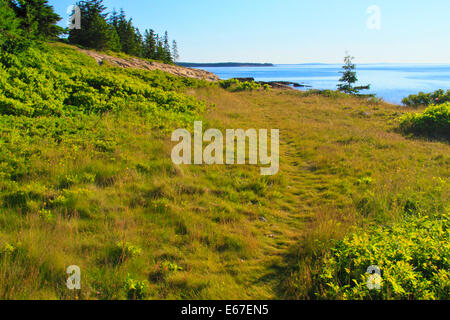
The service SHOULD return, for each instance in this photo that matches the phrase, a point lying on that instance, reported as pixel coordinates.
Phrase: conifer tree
(139, 43)
(9, 24)
(37, 18)
(149, 45)
(349, 77)
(175, 53)
(130, 37)
(160, 53)
(167, 55)
(118, 33)
(95, 31)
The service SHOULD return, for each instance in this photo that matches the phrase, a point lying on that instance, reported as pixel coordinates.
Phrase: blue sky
(295, 31)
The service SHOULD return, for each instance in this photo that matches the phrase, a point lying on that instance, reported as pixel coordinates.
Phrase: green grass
(86, 179)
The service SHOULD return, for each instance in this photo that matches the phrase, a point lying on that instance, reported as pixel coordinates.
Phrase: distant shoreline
(223, 64)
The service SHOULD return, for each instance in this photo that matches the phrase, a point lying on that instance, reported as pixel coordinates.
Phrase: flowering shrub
(425, 99)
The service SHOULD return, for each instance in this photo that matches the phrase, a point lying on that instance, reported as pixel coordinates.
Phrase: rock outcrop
(137, 63)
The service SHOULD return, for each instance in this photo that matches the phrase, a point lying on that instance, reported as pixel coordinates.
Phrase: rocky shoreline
(180, 71)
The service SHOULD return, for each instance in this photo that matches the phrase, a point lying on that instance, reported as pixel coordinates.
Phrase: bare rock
(136, 63)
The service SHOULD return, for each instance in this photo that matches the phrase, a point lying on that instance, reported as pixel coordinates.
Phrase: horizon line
(313, 63)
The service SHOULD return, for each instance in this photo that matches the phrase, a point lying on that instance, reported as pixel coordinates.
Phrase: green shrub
(53, 95)
(59, 81)
(122, 252)
(135, 289)
(425, 99)
(129, 250)
(7, 249)
(234, 85)
(171, 267)
(434, 122)
(413, 256)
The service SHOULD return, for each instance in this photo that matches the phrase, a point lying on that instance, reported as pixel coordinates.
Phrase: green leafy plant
(135, 289)
(433, 122)
(46, 215)
(413, 255)
(8, 249)
(170, 266)
(234, 85)
(129, 250)
(424, 99)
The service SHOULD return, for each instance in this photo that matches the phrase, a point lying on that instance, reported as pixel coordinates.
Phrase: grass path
(327, 145)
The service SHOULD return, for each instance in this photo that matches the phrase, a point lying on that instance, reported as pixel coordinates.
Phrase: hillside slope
(87, 179)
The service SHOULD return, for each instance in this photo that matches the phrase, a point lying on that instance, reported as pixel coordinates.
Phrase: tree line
(114, 31)
(29, 19)
(100, 30)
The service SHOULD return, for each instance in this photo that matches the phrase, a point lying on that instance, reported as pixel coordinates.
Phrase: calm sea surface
(392, 82)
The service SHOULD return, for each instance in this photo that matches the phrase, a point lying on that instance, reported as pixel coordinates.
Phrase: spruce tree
(37, 18)
(160, 52)
(130, 37)
(95, 31)
(167, 56)
(349, 77)
(139, 43)
(118, 33)
(149, 46)
(175, 53)
(9, 23)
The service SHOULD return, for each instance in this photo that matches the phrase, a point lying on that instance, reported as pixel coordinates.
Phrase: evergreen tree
(139, 40)
(149, 46)
(118, 33)
(167, 56)
(95, 31)
(349, 77)
(9, 24)
(10, 33)
(114, 40)
(115, 17)
(160, 53)
(130, 37)
(175, 54)
(37, 18)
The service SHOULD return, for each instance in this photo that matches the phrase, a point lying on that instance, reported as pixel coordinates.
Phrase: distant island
(223, 64)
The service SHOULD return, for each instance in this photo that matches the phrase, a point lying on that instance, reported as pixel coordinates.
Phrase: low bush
(413, 256)
(434, 122)
(234, 85)
(135, 289)
(58, 81)
(425, 99)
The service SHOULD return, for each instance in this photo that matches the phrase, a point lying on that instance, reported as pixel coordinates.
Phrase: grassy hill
(87, 180)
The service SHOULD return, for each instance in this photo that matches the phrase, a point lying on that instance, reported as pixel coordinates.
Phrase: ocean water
(392, 82)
